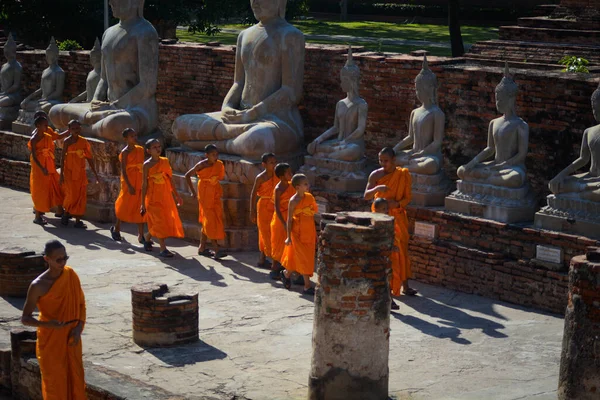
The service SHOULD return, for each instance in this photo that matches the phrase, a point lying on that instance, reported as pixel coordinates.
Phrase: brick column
(161, 318)
(580, 360)
(352, 308)
(17, 270)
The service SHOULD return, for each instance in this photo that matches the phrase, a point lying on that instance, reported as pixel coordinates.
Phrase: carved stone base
(24, 122)
(570, 214)
(430, 190)
(335, 175)
(7, 116)
(492, 202)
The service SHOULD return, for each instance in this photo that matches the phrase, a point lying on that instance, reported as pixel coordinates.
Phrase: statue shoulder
(146, 30)
(293, 35)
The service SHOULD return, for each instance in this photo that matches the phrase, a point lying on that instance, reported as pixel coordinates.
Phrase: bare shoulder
(262, 177)
(377, 174)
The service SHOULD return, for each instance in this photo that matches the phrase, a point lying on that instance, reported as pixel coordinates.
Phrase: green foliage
(69, 45)
(575, 64)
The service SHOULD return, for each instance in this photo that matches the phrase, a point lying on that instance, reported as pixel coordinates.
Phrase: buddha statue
(260, 112)
(52, 85)
(425, 129)
(125, 94)
(508, 142)
(10, 76)
(349, 124)
(585, 184)
(93, 77)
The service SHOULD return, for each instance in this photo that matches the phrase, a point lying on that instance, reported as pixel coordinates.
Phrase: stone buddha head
(52, 52)
(10, 48)
(267, 9)
(126, 9)
(350, 74)
(596, 103)
(426, 84)
(96, 55)
(506, 93)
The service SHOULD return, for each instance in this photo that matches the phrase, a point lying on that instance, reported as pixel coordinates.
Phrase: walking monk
(160, 200)
(261, 212)
(394, 184)
(127, 206)
(72, 174)
(301, 241)
(43, 180)
(281, 199)
(210, 172)
(58, 296)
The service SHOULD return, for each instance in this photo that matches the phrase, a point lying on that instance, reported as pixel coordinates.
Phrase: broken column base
(337, 383)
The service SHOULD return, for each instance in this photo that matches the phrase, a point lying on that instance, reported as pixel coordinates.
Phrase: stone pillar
(18, 268)
(352, 308)
(161, 318)
(580, 360)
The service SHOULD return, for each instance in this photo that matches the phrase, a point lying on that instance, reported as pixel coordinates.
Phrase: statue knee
(461, 172)
(112, 127)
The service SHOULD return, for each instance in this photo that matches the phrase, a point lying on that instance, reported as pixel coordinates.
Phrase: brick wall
(195, 79)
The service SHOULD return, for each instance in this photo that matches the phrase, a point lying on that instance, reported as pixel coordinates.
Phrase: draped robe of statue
(10, 77)
(260, 113)
(125, 95)
(299, 256)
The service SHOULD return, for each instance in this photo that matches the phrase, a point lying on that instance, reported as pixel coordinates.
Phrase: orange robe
(300, 255)
(161, 211)
(278, 232)
(75, 182)
(265, 209)
(210, 204)
(61, 364)
(399, 182)
(127, 206)
(45, 189)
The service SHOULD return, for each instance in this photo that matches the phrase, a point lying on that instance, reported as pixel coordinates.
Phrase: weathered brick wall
(17, 270)
(14, 174)
(195, 78)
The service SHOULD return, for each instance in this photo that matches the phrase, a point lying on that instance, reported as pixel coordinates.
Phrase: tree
(456, 40)
(344, 9)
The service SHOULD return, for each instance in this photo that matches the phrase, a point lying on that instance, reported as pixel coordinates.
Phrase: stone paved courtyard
(256, 336)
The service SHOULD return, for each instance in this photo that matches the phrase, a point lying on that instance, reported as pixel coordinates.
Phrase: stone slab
(430, 190)
(336, 165)
(428, 199)
(335, 175)
(498, 213)
(545, 220)
(22, 127)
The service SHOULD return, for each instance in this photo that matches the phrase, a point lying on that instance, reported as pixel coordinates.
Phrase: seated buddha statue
(125, 95)
(421, 150)
(10, 76)
(587, 184)
(52, 85)
(507, 144)
(93, 77)
(260, 112)
(349, 124)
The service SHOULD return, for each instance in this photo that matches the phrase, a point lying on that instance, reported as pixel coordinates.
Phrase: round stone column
(162, 318)
(352, 308)
(580, 359)
(18, 268)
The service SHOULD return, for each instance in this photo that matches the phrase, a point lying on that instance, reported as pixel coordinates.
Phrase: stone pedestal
(240, 233)
(569, 213)
(352, 308)
(492, 202)
(579, 377)
(24, 122)
(430, 190)
(18, 268)
(163, 318)
(7, 116)
(335, 175)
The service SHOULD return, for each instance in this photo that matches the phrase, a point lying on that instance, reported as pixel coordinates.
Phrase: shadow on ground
(187, 355)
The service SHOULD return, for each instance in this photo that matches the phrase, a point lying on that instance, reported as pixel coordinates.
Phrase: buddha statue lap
(421, 150)
(125, 93)
(498, 189)
(260, 112)
(574, 205)
(10, 85)
(93, 77)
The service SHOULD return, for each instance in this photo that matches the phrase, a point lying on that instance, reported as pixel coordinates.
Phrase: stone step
(545, 35)
(544, 9)
(550, 23)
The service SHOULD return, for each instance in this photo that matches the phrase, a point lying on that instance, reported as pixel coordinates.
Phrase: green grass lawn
(378, 30)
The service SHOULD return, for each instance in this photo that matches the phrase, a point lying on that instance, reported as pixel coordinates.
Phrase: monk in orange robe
(301, 241)
(58, 296)
(73, 176)
(261, 211)
(160, 200)
(127, 206)
(281, 199)
(210, 172)
(44, 179)
(394, 184)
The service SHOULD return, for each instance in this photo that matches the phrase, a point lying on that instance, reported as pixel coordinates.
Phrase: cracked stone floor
(256, 336)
